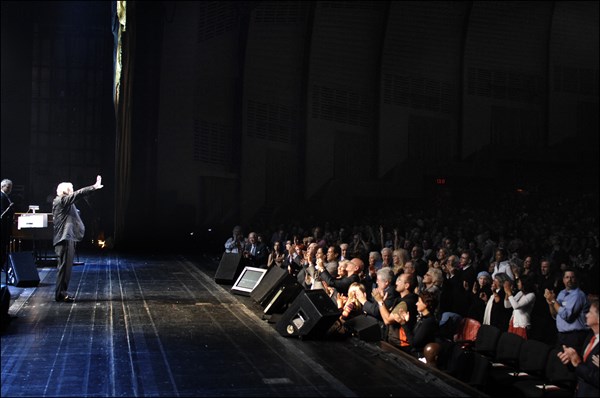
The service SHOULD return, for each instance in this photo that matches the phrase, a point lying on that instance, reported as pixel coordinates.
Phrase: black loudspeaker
(22, 271)
(274, 278)
(230, 268)
(365, 327)
(282, 297)
(4, 305)
(310, 315)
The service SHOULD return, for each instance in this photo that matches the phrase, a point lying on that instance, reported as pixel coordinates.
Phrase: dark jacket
(424, 332)
(261, 254)
(587, 373)
(341, 285)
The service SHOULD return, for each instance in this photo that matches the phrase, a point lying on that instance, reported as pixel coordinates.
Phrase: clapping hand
(360, 296)
(377, 296)
(401, 317)
(496, 297)
(549, 295)
(341, 300)
(569, 354)
(483, 296)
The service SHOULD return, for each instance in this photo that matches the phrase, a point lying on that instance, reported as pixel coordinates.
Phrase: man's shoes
(65, 299)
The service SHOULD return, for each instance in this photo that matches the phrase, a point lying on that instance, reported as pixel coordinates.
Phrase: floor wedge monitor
(22, 271)
(229, 268)
(309, 316)
(269, 284)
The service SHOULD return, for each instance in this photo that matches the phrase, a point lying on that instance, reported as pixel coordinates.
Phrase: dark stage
(159, 325)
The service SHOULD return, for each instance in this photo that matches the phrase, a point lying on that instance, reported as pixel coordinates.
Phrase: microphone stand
(7, 209)
(5, 249)
(77, 256)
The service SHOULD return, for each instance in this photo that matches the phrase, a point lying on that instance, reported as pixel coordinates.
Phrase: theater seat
(467, 332)
(487, 340)
(531, 365)
(559, 380)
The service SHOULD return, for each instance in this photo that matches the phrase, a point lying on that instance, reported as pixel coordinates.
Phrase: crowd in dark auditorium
(525, 265)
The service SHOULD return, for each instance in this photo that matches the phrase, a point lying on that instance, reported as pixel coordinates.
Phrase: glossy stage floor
(159, 325)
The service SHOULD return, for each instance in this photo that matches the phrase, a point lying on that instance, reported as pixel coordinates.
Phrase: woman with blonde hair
(399, 257)
(349, 305)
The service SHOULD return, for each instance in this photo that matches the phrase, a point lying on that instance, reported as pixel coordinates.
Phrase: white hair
(64, 188)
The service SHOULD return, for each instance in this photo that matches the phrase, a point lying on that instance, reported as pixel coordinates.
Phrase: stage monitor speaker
(4, 305)
(282, 297)
(365, 327)
(310, 315)
(274, 278)
(22, 271)
(229, 268)
(248, 280)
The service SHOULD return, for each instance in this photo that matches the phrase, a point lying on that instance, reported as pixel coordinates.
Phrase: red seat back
(467, 331)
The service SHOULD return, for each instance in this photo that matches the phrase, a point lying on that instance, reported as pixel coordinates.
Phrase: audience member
(405, 302)
(565, 235)
(416, 256)
(431, 352)
(374, 264)
(332, 260)
(569, 309)
(495, 313)
(543, 324)
(441, 258)
(255, 252)
(344, 253)
(585, 361)
(426, 327)
(350, 306)
(521, 303)
(501, 264)
(342, 264)
(276, 256)
(481, 291)
(236, 243)
(385, 288)
(409, 269)
(399, 258)
(353, 268)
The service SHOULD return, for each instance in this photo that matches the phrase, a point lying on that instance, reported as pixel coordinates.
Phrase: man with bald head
(353, 268)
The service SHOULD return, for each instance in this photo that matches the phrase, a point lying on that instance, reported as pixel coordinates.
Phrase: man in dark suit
(468, 277)
(7, 218)
(585, 368)
(416, 254)
(68, 229)
(256, 253)
(385, 288)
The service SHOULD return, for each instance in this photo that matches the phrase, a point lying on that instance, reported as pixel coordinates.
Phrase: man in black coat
(7, 218)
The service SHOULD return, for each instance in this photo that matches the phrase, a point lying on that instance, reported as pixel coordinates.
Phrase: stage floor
(159, 325)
